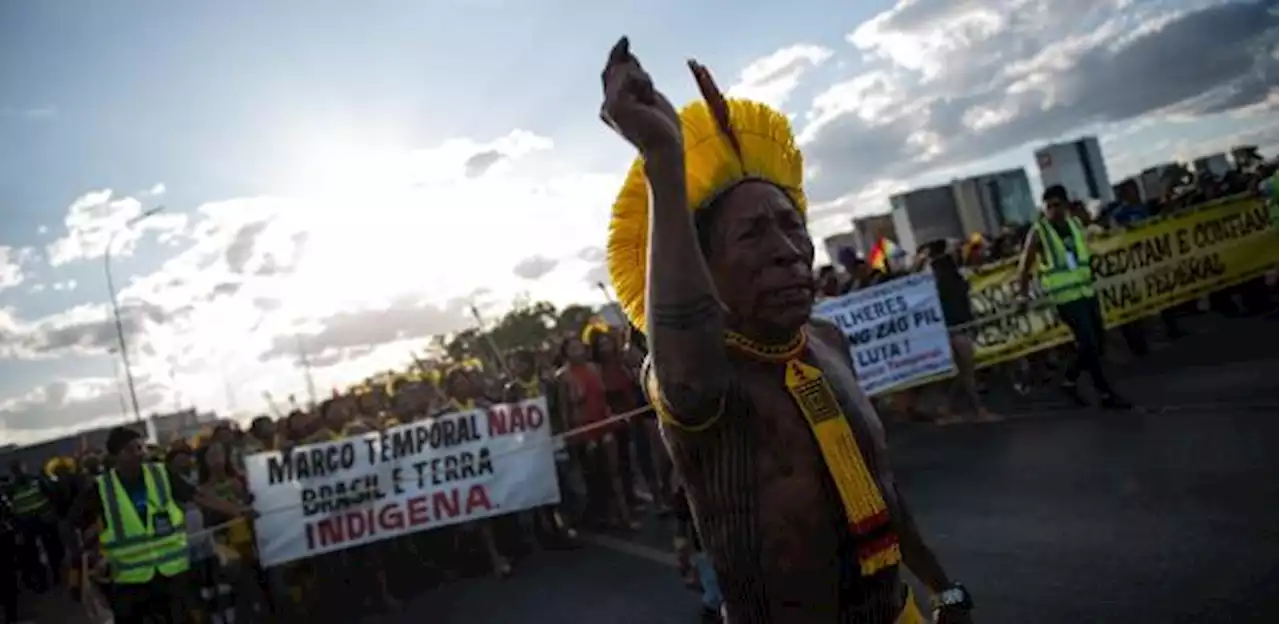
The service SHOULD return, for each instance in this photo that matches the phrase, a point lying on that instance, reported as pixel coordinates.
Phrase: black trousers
(40, 534)
(1084, 318)
(8, 574)
(167, 600)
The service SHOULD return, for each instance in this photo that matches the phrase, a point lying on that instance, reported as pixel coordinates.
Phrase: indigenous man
(783, 456)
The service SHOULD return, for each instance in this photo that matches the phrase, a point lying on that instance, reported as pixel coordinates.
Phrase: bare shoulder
(830, 336)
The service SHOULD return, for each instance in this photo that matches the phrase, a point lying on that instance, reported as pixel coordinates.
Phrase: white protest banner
(896, 330)
(420, 476)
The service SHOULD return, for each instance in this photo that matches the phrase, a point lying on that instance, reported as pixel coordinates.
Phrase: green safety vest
(1064, 281)
(138, 548)
(29, 500)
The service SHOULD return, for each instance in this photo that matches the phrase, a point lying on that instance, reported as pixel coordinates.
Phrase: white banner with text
(436, 472)
(896, 332)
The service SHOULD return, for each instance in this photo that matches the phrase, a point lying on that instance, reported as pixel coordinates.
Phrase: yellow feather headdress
(726, 142)
(595, 326)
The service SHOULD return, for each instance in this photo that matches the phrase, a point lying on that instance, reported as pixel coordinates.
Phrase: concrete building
(834, 243)
(984, 204)
(869, 230)
(1077, 165)
(1152, 181)
(181, 424)
(926, 214)
(987, 203)
(1215, 165)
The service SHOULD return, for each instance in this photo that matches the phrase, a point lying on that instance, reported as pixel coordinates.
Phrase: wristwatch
(953, 597)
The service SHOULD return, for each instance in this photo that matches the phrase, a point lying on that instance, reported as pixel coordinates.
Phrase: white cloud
(365, 267)
(10, 269)
(97, 219)
(534, 267)
(63, 406)
(772, 79)
(948, 83)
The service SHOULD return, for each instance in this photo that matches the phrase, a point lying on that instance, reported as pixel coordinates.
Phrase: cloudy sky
(350, 176)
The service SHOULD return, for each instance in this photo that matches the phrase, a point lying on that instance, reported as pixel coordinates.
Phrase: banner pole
(493, 346)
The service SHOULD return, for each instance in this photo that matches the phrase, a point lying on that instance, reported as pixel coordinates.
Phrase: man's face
(604, 344)
(520, 367)
(761, 257)
(828, 283)
(131, 455)
(1056, 208)
(263, 429)
(576, 351)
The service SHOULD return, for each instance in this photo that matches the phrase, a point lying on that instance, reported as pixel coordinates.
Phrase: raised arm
(685, 321)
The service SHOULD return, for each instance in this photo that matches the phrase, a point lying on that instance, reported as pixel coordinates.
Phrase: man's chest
(785, 437)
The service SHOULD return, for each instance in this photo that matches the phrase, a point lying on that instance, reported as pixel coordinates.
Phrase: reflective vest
(1065, 277)
(138, 548)
(29, 500)
(529, 389)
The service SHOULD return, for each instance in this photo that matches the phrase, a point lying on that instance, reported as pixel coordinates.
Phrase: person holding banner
(550, 526)
(464, 395)
(784, 458)
(957, 312)
(1057, 250)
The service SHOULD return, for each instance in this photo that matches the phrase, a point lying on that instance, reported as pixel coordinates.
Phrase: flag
(876, 258)
(884, 251)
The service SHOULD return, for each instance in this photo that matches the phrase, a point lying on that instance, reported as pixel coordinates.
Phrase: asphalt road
(1057, 515)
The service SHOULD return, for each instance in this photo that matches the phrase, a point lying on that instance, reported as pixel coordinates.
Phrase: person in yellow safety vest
(143, 539)
(33, 514)
(1057, 250)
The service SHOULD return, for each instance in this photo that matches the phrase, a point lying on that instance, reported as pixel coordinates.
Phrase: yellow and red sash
(860, 494)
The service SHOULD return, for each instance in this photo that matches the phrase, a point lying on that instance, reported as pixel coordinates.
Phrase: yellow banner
(1140, 271)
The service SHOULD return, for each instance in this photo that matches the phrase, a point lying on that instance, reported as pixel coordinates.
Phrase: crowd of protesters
(612, 471)
(949, 259)
(610, 474)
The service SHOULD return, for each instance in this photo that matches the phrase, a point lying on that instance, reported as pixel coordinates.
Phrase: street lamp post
(115, 377)
(115, 310)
